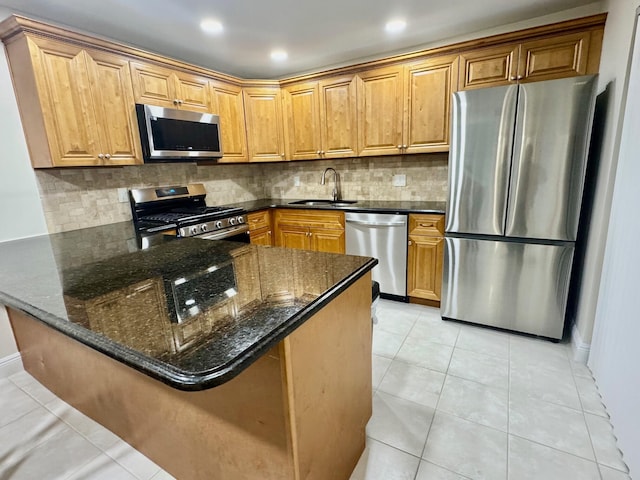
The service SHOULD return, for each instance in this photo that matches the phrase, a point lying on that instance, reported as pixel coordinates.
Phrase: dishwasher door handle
(377, 224)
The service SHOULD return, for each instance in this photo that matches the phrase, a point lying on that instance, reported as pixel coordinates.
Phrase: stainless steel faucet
(336, 183)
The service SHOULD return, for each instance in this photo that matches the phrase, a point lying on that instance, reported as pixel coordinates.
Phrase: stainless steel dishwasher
(382, 236)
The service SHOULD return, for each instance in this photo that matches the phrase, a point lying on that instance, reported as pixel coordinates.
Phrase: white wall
(615, 354)
(20, 207)
(613, 69)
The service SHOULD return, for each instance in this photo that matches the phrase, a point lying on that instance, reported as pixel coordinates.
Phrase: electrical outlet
(122, 195)
(399, 180)
(296, 181)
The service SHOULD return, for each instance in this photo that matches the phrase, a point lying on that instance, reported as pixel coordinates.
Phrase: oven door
(239, 233)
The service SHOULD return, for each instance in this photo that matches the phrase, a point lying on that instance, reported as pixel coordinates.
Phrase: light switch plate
(399, 180)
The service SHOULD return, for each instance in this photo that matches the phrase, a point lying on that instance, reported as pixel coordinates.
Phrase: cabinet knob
(321, 152)
(282, 154)
(179, 102)
(513, 79)
(175, 101)
(519, 77)
(404, 147)
(410, 243)
(101, 156)
(107, 156)
(399, 147)
(269, 232)
(318, 152)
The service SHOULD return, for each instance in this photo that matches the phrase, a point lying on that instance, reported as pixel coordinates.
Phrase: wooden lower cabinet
(317, 230)
(425, 256)
(260, 227)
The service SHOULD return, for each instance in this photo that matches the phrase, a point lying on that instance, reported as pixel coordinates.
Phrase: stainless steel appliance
(516, 175)
(171, 135)
(382, 236)
(181, 211)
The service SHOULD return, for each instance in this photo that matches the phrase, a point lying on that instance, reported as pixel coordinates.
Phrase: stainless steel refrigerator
(516, 174)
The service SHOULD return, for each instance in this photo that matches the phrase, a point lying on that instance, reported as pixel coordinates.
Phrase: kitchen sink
(331, 203)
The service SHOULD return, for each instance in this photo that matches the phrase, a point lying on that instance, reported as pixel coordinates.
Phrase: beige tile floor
(451, 402)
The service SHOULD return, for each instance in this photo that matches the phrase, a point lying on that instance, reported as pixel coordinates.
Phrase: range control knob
(193, 230)
(203, 227)
(218, 224)
(240, 220)
(232, 221)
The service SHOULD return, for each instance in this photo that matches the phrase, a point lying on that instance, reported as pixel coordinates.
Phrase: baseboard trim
(579, 348)
(10, 364)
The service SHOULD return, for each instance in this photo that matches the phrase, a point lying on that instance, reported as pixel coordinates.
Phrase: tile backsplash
(86, 197)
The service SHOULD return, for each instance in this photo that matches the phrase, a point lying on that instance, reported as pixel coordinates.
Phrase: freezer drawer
(517, 286)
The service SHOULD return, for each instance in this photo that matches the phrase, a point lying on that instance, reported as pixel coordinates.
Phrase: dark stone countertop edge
(361, 206)
(168, 374)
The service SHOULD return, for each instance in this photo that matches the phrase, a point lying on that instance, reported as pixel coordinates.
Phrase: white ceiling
(316, 34)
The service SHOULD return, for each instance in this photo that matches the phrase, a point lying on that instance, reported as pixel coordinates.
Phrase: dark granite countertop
(192, 313)
(399, 206)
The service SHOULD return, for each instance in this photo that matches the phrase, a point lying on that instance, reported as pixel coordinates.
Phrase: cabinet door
(263, 110)
(292, 236)
(489, 67)
(153, 85)
(429, 85)
(227, 103)
(326, 240)
(380, 111)
(65, 98)
(302, 121)
(114, 106)
(555, 57)
(192, 92)
(262, 236)
(338, 117)
(425, 257)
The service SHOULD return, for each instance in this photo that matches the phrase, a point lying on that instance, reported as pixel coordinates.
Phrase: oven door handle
(227, 232)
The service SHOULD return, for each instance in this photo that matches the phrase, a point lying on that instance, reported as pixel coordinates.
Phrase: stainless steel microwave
(171, 135)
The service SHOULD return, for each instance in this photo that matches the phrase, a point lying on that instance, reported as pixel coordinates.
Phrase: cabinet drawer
(257, 220)
(310, 218)
(429, 224)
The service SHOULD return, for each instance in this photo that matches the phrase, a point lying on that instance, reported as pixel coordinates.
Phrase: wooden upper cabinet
(321, 118)
(76, 104)
(192, 92)
(548, 58)
(428, 89)
(111, 84)
(227, 103)
(263, 110)
(338, 117)
(488, 67)
(65, 98)
(302, 121)
(380, 111)
(555, 57)
(164, 87)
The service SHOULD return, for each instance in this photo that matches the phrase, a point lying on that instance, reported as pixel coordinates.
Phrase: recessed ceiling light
(395, 26)
(279, 55)
(211, 26)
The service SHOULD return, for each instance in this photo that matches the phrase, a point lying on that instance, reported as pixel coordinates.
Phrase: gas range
(181, 211)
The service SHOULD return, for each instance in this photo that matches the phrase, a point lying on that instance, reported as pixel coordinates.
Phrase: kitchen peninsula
(215, 359)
